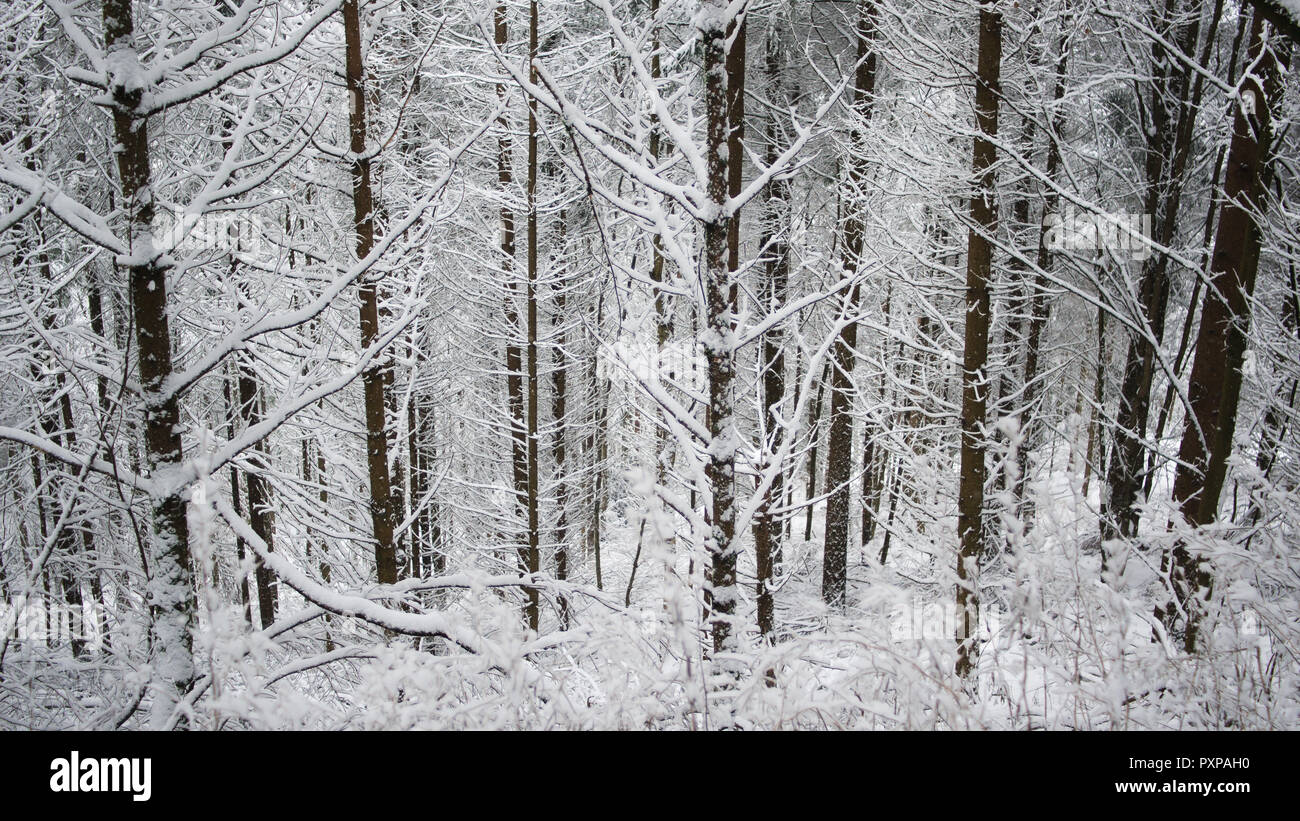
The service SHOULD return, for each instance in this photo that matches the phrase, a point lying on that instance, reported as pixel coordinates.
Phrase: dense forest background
(621, 364)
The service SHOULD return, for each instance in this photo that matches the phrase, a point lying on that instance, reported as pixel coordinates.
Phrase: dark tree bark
(839, 437)
(375, 377)
(533, 557)
(515, 389)
(171, 593)
(767, 526)
(718, 338)
(979, 266)
(1214, 387)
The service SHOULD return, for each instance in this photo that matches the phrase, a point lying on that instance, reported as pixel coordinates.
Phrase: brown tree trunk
(533, 558)
(979, 266)
(839, 437)
(515, 393)
(718, 337)
(767, 526)
(375, 377)
(1215, 384)
(171, 596)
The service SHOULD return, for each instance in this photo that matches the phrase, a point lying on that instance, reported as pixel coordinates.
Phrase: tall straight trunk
(1214, 387)
(839, 437)
(171, 588)
(1169, 141)
(375, 377)
(533, 557)
(767, 527)
(514, 354)
(718, 338)
(974, 395)
(72, 595)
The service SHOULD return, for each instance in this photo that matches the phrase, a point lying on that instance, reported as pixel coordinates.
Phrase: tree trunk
(839, 437)
(533, 558)
(1215, 384)
(767, 526)
(375, 376)
(979, 265)
(171, 589)
(718, 338)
